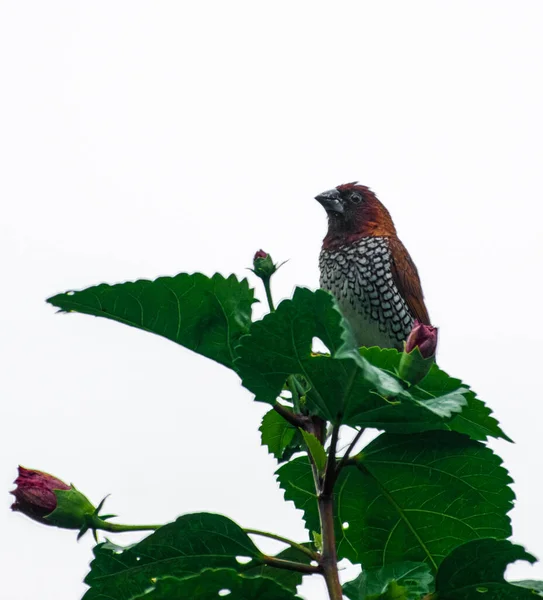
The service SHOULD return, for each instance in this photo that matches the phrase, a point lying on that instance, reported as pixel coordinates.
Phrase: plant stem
(330, 475)
(347, 454)
(328, 561)
(288, 415)
(119, 528)
(273, 536)
(267, 287)
(289, 565)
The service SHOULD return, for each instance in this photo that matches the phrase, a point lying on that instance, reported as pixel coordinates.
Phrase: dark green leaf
(184, 547)
(475, 420)
(475, 570)
(280, 345)
(207, 585)
(282, 438)
(400, 581)
(410, 498)
(316, 450)
(206, 315)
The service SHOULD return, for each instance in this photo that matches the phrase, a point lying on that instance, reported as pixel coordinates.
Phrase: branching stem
(288, 415)
(347, 454)
(290, 565)
(273, 536)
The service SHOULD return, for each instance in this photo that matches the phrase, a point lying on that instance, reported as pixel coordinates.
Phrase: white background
(143, 138)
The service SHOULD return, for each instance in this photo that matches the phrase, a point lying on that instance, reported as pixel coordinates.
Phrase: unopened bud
(419, 353)
(263, 266)
(423, 336)
(50, 501)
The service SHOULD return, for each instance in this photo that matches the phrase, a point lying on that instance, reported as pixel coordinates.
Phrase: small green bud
(263, 266)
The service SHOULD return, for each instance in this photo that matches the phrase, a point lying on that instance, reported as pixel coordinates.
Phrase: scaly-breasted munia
(367, 268)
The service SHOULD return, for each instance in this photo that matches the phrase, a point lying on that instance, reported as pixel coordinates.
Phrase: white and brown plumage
(368, 269)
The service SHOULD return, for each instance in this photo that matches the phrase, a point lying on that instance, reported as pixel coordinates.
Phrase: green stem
(290, 565)
(119, 528)
(267, 286)
(273, 536)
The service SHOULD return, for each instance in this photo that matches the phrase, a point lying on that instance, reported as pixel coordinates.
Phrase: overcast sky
(147, 138)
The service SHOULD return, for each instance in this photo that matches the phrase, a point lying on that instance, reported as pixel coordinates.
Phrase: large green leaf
(344, 386)
(400, 581)
(410, 498)
(475, 419)
(184, 547)
(213, 584)
(475, 570)
(206, 315)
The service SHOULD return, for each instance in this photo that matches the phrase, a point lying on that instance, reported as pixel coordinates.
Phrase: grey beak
(331, 201)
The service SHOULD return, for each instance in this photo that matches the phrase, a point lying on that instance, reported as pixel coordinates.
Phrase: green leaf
(475, 419)
(184, 547)
(280, 345)
(400, 581)
(208, 584)
(410, 498)
(316, 450)
(206, 315)
(282, 438)
(535, 586)
(475, 570)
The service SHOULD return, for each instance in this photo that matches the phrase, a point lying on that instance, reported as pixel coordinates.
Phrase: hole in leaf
(138, 557)
(224, 592)
(318, 346)
(482, 590)
(314, 563)
(243, 560)
(345, 525)
(70, 293)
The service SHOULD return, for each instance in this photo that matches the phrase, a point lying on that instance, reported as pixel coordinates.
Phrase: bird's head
(354, 212)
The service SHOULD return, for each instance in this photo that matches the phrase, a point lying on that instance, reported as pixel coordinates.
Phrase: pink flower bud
(260, 254)
(50, 501)
(423, 336)
(34, 494)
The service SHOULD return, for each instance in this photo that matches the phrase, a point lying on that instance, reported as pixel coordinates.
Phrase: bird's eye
(356, 198)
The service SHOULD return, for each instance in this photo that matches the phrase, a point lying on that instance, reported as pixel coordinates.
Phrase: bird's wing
(406, 278)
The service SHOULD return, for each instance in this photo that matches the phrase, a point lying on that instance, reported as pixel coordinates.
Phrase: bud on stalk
(263, 266)
(419, 353)
(50, 501)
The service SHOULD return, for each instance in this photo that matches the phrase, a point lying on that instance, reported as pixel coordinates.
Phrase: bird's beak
(331, 201)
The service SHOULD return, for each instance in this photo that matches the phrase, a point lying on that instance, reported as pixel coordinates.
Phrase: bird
(366, 267)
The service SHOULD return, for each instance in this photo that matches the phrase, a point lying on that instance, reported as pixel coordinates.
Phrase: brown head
(354, 212)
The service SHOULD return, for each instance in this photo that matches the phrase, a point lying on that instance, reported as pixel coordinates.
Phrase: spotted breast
(360, 276)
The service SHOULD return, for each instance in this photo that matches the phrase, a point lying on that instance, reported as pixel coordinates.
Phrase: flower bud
(263, 266)
(50, 501)
(419, 353)
(423, 336)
